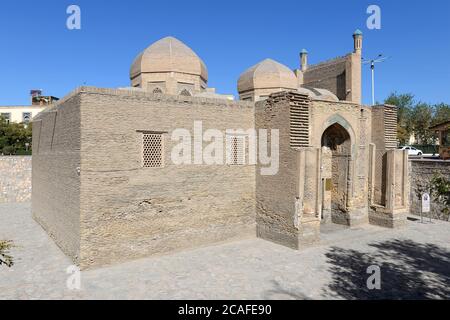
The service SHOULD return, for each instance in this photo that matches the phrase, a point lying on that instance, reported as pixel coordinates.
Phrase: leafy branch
(5, 258)
(440, 189)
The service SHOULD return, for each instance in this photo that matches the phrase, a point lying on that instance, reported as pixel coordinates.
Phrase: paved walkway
(414, 262)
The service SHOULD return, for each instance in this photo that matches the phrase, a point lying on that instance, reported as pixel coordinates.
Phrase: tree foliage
(441, 113)
(14, 137)
(421, 118)
(440, 188)
(416, 118)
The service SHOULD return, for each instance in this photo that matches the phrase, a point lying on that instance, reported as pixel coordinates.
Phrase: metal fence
(427, 149)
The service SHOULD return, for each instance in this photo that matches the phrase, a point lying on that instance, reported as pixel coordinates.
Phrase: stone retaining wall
(15, 179)
(422, 171)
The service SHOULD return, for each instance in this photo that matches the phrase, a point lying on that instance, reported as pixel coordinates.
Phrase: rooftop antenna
(372, 63)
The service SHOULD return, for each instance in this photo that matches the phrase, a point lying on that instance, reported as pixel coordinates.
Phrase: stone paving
(414, 263)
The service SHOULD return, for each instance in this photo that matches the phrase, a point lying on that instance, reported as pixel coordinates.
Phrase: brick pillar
(393, 213)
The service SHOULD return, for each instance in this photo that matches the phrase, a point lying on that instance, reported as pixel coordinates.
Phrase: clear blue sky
(39, 52)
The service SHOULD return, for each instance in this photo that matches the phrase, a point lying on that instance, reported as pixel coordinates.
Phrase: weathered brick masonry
(56, 182)
(123, 210)
(106, 188)
(95, 198)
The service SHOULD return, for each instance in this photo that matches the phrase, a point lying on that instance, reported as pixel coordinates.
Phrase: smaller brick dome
(267, 74)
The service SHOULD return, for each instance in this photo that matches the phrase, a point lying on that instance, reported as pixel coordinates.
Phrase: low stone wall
(15, 179)
(422, 171)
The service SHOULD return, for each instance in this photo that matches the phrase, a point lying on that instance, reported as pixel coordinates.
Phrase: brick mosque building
(106, 189)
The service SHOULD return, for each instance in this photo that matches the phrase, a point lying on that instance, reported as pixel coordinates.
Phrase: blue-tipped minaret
(357, 37)
(304, 59)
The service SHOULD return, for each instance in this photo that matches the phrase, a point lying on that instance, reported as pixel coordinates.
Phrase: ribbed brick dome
(169, 55)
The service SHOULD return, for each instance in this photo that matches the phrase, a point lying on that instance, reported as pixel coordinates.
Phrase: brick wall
(93, 197)
(342, 76)
(331, 75)
(128, 211)
(422, 171)
(286, 203)
(56, 183)
(15, 181)
(276, 194)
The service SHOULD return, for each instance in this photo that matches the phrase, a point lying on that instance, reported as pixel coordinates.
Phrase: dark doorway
(337, 139)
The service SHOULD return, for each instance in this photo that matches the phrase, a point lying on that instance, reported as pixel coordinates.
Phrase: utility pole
(372, 63)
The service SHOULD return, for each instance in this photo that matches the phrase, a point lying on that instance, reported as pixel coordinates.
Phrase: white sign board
(426, 208)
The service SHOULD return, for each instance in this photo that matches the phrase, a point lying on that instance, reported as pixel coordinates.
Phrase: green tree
(440, 188)
(416, 118)
(441, 113)
(14, 137)
(421, 119)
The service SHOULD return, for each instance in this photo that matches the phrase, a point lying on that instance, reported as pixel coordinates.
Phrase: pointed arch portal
(336, 166)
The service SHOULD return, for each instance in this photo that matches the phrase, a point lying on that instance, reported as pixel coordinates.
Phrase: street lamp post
(372, 63)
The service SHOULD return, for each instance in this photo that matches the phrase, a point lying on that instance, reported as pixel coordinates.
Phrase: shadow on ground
(279, 292)
(409, 270)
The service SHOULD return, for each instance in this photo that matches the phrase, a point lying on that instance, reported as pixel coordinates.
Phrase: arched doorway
(336, 155)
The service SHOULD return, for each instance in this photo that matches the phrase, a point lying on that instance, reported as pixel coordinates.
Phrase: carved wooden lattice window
(152, 150)
(299, 123)
(390, 127)
(236, 150)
